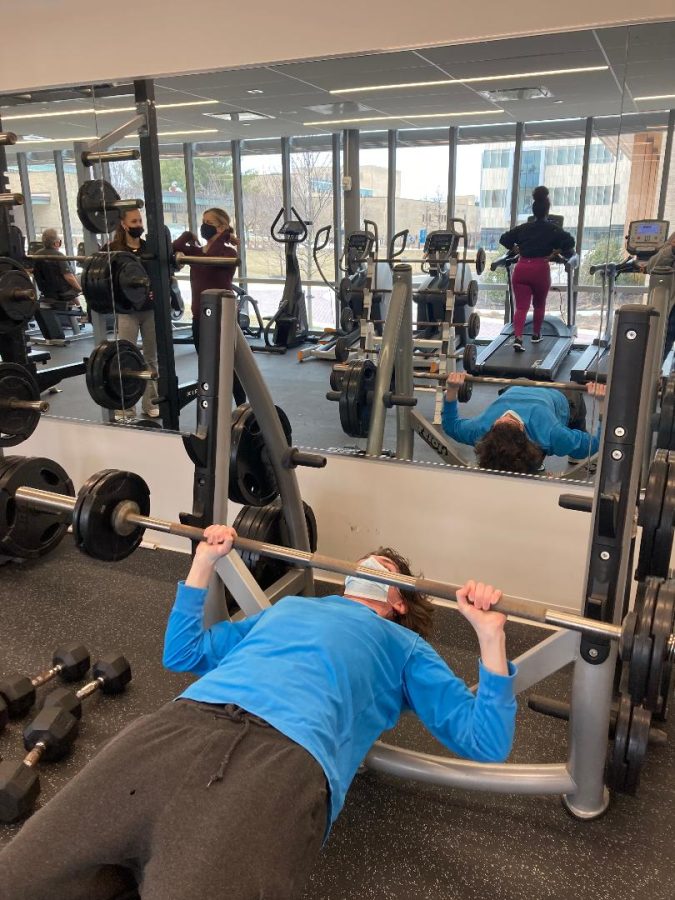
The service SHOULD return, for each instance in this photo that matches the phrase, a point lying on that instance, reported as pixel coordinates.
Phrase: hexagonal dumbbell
(70, 663)
(112, 673)
(49, 736)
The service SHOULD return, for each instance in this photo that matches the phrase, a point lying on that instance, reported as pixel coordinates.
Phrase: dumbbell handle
(37, 405)
(47, 675)
(90, 688)
(33, 757)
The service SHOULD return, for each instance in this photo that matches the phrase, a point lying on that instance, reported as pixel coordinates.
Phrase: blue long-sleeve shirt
(544, 411)
(332, 675)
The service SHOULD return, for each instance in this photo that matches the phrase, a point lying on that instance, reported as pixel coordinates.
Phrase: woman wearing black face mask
(127, 237)
(221, 240)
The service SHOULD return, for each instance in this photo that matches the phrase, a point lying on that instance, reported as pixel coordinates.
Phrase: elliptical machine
(288, 327)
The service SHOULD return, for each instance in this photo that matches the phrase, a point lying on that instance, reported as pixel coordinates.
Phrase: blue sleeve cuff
(497, 687)
(190, 600)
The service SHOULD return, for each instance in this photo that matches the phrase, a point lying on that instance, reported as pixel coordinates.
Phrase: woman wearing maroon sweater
(220, 241)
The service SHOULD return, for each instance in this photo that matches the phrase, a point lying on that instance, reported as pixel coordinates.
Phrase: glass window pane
(174, 190)
(263, 198)
(421, 190)
(373, 169)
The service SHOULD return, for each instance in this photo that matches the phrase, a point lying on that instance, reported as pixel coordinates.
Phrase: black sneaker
(518, 345)
(536, 338)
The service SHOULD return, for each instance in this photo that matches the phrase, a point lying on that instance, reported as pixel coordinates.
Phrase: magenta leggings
(531, 282)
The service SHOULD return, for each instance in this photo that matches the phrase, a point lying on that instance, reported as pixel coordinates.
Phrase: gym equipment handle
(7, 138)
(577, 502)
(295, 457)
(11, 200)
(125, 516)
(183, 260)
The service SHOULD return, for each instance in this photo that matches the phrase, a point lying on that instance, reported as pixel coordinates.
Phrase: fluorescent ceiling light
(472, 80)
(103, 112)
(656, 97)
(94, 137)
(449, 115)
(194, 131)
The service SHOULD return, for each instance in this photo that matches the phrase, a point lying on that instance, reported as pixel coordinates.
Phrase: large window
(263, 198)
(373, 173)
(421, 191)
(174, 190)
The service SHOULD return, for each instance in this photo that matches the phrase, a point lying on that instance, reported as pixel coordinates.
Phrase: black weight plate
(663, 536)
(29, 533)
(666, 688)
(616, 761)
(97, 284)
(341, 350)
(473, 326)
(357, 397)
(628, 627)
(344, 404)
(665, 435)
(480, 261)
(649, 513)
(636, 750)
(641, 653)
(17, 383)
(472, 293)
(347, 319)
(131, 282)
(252, 480)
(336, 379)
(469, 358)
(261, 524)
(105, 384)
(94, 206)
(92, 526)
(18, 297)
(464, 392)
(662, 627)
(312, 530)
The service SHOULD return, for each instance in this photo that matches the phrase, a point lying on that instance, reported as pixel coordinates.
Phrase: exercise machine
(644, 238)
(542, 360)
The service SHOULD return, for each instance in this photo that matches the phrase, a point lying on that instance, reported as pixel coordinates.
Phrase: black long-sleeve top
(538, 239)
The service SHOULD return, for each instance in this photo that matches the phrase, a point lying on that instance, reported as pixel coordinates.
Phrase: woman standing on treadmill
(536, 242)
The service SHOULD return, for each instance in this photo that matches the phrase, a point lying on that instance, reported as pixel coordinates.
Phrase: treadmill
(644, 238)
(538, 361)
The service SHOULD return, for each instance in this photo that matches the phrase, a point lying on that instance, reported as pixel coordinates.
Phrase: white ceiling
(641, 61)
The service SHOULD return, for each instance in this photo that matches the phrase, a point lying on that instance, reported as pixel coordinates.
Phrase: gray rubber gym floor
(395, 840)
(300, 389)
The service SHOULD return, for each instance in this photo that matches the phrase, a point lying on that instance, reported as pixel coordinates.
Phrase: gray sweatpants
(192, 801)
(128, 326)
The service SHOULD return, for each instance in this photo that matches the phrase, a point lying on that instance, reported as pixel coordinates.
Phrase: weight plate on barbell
(464, 392)
(93, 517)
(18, 297)
(17, 383)
(131, 282)
(252, 480)
(480, 261)
(105, 383)
(629, 748)
(649, 513)
(261, 524)
(28, 533)
(94, 206)
(473, 326)
(469, 357)
(97, 283)
(472, 293)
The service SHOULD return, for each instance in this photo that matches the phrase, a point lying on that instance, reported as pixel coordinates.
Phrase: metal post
(25, 190)
(5, 214)
(158, 264)
(452, 171)
(235, 150)
(391, 184)
(188, 162)
(403, 370)
(515, 176)
(582, 190)
(286, 176)
(350, 169)
(385, 368)
(337, 220)
(63, 202)
(667, 158)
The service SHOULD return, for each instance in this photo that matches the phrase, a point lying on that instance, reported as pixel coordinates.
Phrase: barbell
(116, 374)
(112, 511)
(20, 404)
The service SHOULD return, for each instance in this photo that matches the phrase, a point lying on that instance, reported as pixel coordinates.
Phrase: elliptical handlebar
(318, 246)
(400, 235)
(506, 261)
(374, 230)
(281, 236)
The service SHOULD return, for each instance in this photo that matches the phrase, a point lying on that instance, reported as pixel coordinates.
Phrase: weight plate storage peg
(252, 480)
(629, 748)
(95, 208)
(17, 385)
(109, 375)
(29, 533)
(93, 524)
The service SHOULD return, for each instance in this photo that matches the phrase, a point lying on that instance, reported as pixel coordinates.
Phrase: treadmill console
(646, 236)
(554, 220)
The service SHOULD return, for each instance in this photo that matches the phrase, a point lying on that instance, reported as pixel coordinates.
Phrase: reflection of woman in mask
(221, 240)
(127, 237)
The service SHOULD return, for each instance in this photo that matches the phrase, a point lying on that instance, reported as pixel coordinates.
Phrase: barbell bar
(523, 382)
(180, 259)
(124, 518)
(41, 406)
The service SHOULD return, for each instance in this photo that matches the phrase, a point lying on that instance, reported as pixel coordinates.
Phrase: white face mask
(369, 590)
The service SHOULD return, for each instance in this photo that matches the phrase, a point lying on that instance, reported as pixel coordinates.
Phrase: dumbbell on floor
(70, 663)
(49, 736)
(111, 674)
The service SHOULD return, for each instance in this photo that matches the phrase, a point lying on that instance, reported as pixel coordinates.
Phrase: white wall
(452, 523)
(50, 42)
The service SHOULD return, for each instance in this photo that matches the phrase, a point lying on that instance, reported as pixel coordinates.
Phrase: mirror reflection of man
(55, 277)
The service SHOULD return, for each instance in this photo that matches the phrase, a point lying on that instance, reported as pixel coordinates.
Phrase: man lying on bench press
(230, 790)
(524, 425)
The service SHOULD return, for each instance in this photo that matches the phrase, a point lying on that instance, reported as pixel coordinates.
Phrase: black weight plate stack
(356, 400)
(97, 285)
(252, 480)
(341, 350)
(18, 297)
(105, 384)
(473, 326)
(336, 379)
(472, 293)
(131, 282)
(27, 533)
(480, 261)
(347, 319)
(465, 392)
(663, 536)
(17, 383)
(642, 644)
(469, 359)
(629, 748)
(649, 514)
(312, 530)
(662, 628)
(95, 209)
(665, 439)
(93, 517)
(262, 523)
